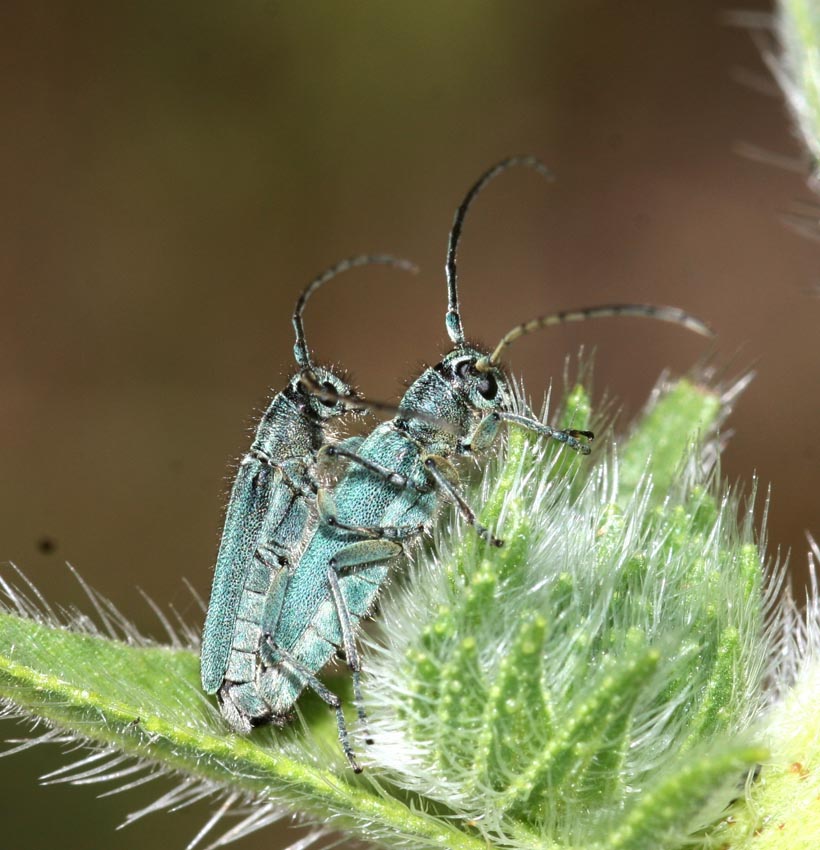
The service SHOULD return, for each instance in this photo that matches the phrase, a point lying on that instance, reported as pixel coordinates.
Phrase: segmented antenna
(300, 349)
(453, 319)
(643, 311)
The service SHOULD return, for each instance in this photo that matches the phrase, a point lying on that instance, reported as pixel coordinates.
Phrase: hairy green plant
(618, 675)
(797, 69)
(789, 43)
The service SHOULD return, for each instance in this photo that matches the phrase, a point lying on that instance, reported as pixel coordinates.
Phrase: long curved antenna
(453, 319)
(300, 349)
(643, 311)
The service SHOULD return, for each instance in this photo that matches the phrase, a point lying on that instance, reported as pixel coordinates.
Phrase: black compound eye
(464, 370)
(328, 402)
(488, 386)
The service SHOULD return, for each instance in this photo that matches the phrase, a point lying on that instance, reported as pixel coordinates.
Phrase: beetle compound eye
(488, 387)
(464, 370)
(327, 402)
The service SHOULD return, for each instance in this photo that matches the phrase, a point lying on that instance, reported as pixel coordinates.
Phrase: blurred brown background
(173, 174)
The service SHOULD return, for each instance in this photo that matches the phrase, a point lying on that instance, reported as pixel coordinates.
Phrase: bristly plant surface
(619, 675)
(797, 67)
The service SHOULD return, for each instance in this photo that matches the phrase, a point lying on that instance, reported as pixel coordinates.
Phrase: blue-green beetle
(271, 509)
(396, 479)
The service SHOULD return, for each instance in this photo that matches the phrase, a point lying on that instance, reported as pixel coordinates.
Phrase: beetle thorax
(458, 393)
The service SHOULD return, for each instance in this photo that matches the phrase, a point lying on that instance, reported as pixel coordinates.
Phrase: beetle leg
(402, 482)
(364, 552)
(437, 467)
(309, 679)
(487, 430)
(327, 511)
(349, 646)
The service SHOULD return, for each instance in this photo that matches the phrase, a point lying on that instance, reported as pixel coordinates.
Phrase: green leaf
(147, 702)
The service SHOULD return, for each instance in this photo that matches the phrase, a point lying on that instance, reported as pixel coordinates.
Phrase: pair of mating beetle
(298, 566)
